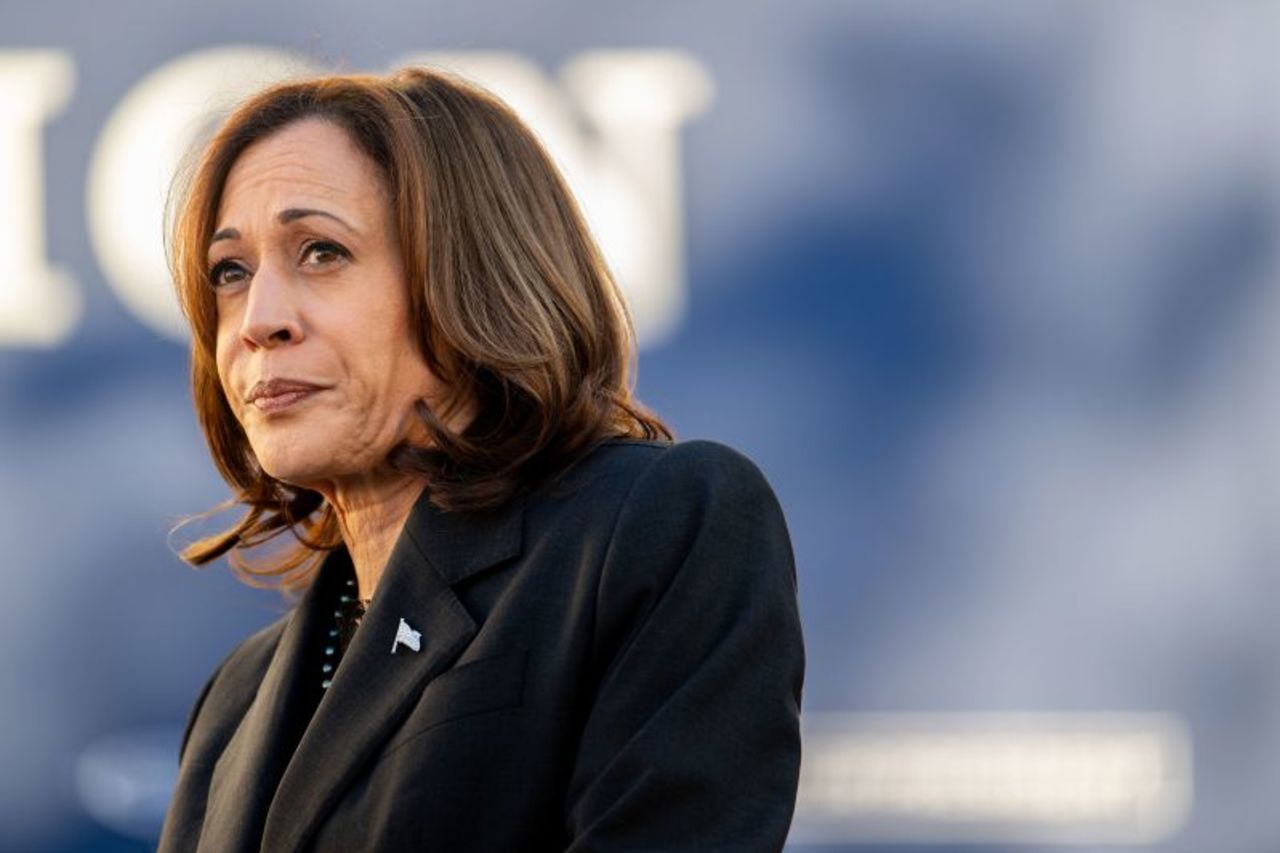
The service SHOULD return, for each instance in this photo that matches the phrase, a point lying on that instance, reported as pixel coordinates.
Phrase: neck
(371, 514)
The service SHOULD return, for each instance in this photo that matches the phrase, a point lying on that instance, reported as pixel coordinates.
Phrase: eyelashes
(215, 273)
(219, 272)
(325, 246)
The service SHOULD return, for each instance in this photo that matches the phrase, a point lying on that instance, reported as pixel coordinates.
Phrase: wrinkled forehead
(311, 163)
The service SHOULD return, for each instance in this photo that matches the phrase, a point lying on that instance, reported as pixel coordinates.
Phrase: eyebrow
(286, 216)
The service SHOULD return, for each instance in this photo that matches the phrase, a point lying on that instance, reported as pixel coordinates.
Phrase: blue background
(987, 290)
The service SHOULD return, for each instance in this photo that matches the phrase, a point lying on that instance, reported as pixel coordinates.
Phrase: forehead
(308, 161)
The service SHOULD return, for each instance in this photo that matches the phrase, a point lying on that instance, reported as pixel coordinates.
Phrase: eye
(227, 272)
(324, 252)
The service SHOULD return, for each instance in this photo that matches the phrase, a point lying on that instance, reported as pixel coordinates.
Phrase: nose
(271, 316)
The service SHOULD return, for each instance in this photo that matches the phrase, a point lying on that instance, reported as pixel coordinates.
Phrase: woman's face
(315, 349)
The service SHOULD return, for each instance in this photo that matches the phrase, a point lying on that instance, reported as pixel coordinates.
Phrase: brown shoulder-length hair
(513, 305)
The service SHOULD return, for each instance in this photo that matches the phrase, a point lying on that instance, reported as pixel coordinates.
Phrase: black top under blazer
(612, 662)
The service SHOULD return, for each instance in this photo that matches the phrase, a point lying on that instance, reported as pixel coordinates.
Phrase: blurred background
(990, 291)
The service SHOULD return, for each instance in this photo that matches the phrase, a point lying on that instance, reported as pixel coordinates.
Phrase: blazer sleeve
(692, 741)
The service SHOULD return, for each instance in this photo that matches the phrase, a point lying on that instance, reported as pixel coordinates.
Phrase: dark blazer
(613, 662)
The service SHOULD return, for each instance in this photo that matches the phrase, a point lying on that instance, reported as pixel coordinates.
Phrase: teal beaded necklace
(346, 618)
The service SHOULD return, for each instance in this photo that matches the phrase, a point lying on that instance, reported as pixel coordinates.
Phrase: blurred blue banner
(989, 291)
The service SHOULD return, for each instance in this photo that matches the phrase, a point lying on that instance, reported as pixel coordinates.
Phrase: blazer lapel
(246, 774)
(373, 690)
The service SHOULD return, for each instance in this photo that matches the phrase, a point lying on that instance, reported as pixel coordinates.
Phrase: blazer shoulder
(701, 470)
(671, 490)
(623, 477)
(706, 495)
(624, 463)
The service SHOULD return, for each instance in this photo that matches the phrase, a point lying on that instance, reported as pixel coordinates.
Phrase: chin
(302, 477)
(293, 464)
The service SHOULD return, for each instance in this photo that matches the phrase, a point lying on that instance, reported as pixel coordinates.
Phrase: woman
(531, 619)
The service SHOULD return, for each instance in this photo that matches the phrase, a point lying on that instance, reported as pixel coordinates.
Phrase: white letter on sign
(39, 305)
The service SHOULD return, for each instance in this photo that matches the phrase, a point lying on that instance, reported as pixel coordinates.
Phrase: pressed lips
(273, 395)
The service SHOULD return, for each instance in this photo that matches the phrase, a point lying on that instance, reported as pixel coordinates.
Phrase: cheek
(385, 347)
(223, 356)
(414, 378)
(224, 366)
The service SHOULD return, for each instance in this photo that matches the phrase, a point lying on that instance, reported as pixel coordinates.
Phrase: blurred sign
(1049, 778)
(622, 163)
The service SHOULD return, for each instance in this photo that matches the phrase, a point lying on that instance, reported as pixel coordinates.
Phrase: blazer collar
(372, 691)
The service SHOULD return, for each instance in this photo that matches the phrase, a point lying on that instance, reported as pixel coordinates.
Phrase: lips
(275, 395)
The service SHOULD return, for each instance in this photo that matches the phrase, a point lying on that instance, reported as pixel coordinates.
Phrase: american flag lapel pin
(406, 636)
